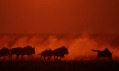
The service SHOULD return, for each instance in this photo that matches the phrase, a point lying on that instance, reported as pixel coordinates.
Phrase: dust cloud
(79, 45)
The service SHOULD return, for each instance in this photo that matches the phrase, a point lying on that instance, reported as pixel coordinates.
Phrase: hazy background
(79, 46)
(59, 16)
(80, 25)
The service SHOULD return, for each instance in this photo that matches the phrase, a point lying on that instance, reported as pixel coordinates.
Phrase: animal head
(109, 54)
(30, 49)
(65, 50)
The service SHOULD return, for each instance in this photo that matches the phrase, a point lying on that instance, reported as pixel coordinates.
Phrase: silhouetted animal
(46, 53)
(4, 52)
(60, 52)
(104, 53)
(28, 50)
(16, 51)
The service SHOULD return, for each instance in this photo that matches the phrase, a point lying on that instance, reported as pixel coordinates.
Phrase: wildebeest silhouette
(4, 52)
(16, 51)
(104, 53)
(27, 50)
(46, 53)
(60, 52)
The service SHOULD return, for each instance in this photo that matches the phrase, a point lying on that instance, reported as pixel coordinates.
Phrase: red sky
(65, 17)
(59, 16)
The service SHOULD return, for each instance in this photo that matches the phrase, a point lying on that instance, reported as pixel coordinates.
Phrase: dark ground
(58, 66)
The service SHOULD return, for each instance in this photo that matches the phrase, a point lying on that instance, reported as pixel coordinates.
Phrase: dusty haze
(79, 46)
(80, 25)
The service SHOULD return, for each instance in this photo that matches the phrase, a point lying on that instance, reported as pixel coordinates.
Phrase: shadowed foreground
(58, 66)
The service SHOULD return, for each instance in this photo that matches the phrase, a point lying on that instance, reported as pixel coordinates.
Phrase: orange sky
(63, 22)
(59, 16)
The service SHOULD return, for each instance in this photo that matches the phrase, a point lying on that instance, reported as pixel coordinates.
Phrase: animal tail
(95, 50)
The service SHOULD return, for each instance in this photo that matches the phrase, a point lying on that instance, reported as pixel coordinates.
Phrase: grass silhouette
(58, 65)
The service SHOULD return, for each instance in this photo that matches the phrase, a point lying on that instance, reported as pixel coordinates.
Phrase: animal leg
(49, 57)
(11, 57)
(4, 57)
(22, 57)
(29, 57)
(56, 57)
(44, 57)
(41, 57)
(60, 57)
(97, 57)
(17, 57)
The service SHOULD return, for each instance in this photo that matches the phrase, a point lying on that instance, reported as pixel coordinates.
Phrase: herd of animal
(29, 50)
(58, 53)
